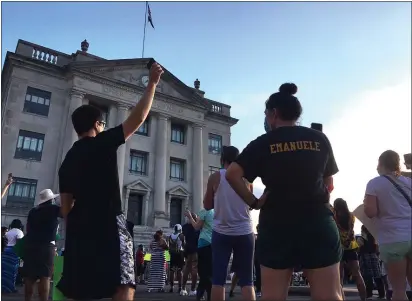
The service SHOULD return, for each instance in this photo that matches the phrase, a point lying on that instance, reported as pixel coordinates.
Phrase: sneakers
(183, 292)
(192, 293)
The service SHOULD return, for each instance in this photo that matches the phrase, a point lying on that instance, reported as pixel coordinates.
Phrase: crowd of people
(296, 165)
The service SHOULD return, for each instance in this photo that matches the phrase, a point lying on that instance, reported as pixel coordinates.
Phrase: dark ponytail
(343, 215)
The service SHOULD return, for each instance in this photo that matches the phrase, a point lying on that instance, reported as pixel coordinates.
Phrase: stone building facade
(163, 168)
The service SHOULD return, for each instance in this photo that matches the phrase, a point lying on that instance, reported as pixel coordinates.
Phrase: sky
(351, 62)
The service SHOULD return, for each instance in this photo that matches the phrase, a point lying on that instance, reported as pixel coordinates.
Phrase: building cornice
(221, 118)
(88, 71)
(133, 88)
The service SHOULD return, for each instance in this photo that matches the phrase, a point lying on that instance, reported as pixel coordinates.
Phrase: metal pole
(144, 30)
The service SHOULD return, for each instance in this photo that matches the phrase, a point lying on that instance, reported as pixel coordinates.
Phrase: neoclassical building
(163, 168)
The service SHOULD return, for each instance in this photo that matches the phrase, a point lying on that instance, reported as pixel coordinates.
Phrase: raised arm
(6, 186)
(141, 110)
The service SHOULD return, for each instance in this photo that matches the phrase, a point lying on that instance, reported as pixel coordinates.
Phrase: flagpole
(144, 30)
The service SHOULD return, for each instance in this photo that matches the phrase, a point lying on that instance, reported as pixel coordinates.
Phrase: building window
(177, 169)
(178, 133)
(143, 129)
(215, 144)
(29, 145)
(37, 101)
(213, 169)
(22, 193)
(138, 162)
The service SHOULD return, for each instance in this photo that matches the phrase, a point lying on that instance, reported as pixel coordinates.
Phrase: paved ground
(295, 293)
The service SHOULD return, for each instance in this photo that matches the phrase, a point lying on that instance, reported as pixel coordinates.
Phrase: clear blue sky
(241, 52)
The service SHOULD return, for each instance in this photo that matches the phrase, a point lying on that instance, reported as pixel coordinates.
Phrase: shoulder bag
(405, 195)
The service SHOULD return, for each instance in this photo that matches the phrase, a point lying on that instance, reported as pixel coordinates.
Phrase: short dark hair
(287, 105)
(16, 224)
(229, 154)
(84, 118)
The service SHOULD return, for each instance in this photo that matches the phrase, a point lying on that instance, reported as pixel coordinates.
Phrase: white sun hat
(46, 195)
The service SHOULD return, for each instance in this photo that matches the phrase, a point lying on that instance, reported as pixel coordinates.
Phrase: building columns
(145, 208)
(122, 114)
(76, 100)
(160, 167)
(126, 201)
(197, 185)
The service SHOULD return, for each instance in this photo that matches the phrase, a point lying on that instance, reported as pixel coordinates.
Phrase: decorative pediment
(178, 191)
(138, 185)
(134, 72)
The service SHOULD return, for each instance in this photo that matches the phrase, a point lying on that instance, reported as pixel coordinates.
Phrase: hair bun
(288, 88)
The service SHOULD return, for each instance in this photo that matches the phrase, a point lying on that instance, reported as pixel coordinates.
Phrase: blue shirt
(205, 237)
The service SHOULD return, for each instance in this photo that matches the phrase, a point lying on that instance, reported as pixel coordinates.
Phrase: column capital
(77, 93)
(122, 106)
(147, 196)
(161, 116)
(198, 126)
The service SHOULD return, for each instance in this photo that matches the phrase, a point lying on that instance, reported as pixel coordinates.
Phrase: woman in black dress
(296, 164)
(39, 245)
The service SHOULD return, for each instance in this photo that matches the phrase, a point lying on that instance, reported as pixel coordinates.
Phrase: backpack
(175, 245)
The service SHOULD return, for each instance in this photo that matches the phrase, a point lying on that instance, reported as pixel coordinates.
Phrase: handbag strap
(406, 196)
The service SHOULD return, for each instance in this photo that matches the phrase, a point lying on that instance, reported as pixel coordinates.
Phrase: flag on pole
(149, 15)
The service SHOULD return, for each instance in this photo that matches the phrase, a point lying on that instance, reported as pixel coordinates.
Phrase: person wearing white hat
(39, 245)
(176, 243)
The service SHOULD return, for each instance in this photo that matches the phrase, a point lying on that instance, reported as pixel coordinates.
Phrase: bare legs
(353, 266)
(324, 283)
(124, 292)
(397, 273)
(43, 289)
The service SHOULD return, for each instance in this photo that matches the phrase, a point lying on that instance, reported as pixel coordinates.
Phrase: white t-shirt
(12, 236)
(232, 214)
(393, 224)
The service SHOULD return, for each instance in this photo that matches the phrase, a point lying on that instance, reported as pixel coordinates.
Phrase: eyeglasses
(102, 123)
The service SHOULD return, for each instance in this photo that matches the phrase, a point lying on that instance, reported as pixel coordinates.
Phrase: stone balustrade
(41, 53)
(219, 108)
(44, 55)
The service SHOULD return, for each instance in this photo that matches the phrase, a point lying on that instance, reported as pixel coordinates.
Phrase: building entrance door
(175, 211)
(135, 209)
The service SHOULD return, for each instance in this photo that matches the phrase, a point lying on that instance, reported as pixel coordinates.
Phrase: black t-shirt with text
(292, 163)
(89, 172)
(42, 223)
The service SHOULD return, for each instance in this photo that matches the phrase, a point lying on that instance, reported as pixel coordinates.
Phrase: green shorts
(305, 244)
(395, 251)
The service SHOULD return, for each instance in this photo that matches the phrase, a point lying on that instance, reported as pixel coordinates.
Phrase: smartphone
(317, 126)
(150, 63)
(407, 158)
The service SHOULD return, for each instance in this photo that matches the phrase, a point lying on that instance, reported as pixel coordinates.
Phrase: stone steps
(144, 234)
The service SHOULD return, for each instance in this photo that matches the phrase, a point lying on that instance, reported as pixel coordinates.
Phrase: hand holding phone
(317, 126)
(9, 179)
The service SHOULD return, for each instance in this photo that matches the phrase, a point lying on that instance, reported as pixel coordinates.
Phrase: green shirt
(206, 233)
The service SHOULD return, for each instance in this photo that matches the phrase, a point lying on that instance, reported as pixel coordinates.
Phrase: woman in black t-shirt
(296, 225)
(39, 244)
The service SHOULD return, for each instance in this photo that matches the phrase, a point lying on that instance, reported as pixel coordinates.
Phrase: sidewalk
(141, 294)
(305, 291)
